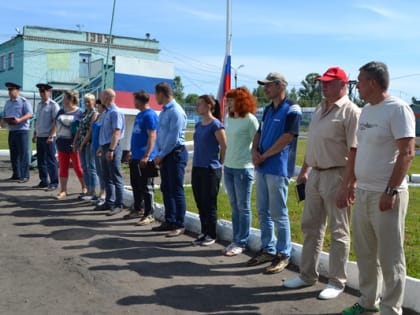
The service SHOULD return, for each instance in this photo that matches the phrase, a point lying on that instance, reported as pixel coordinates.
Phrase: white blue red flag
(225, 83)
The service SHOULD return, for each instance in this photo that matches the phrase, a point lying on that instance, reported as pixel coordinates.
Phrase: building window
(11, 60)
(2, 63)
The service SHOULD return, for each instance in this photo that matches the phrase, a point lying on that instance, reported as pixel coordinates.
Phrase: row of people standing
(356, 157)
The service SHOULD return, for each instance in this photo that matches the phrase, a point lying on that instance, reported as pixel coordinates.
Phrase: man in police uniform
(17, 113)
(44, 137)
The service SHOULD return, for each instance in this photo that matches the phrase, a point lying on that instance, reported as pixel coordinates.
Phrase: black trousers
(205, 185)
(143, 190)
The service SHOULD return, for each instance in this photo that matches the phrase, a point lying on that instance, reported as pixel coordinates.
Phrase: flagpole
(228, 27)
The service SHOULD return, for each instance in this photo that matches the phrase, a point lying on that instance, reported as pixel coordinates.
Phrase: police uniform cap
(44, 86)
(11, 85)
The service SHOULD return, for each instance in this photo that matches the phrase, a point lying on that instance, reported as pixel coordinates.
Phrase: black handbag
(150, 170)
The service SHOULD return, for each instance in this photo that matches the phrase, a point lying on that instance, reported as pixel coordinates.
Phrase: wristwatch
(391, 191)
(111, 150)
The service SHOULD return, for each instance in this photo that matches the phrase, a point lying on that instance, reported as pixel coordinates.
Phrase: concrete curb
(224, 232)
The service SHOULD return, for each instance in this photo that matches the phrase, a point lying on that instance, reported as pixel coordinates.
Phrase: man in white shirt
(386, 144)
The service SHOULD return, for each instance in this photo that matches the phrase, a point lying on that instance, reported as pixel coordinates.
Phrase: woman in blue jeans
(83, 144)
(209, 154)
(241, 126)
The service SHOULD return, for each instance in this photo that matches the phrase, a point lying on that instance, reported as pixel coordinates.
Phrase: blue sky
(292, 37)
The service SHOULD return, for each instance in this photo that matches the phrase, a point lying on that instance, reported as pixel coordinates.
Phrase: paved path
(60, 257)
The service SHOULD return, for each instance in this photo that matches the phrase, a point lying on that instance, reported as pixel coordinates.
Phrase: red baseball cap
(334, 73)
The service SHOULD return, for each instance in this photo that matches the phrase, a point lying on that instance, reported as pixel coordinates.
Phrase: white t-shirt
(380, 126)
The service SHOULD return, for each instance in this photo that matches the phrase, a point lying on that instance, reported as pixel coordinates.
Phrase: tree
(310, 93)
(293, 95)
(260, 95)
(191, 99)
(178, 90)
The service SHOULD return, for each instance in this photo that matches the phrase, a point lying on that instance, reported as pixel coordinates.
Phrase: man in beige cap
(331, 144)
(271, 148)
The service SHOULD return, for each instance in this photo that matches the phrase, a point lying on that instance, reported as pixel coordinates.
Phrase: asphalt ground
(61, 257)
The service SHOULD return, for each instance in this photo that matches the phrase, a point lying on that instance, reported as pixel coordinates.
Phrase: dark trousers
(142, 189)
(205, 185)
(114, 183)
(46, 161)
(172, 173)
(19, 153)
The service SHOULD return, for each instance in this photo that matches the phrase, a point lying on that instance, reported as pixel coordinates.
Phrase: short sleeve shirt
(206, 146)
(332, 134)
(45, 117)
(380, 127)
(113, 119)
(17, 108)
(144, 121)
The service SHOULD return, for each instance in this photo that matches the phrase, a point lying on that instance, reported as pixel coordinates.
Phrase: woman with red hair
(241, 126)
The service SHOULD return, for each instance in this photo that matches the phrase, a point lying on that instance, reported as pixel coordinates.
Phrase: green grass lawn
(412, 236)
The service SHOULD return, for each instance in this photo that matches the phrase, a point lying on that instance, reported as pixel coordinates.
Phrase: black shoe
(13, 179)
(103, 207)
(114, 211)
(164, 227)
(23, 180)
(40, 185)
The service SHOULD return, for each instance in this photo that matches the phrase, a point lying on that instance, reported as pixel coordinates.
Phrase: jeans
(205, 183)
(272, 212)
(114, 183)
(19, 153)
(142, 189)
(238, 183)
(87, 159)
(46, 161)
(100, 172)
(172, 173)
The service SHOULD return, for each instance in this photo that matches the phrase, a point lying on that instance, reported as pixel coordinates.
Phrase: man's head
(163, 93)
(141, 99)
(44, 90)
(107, 97)
(373, 80)
(274, 85)
(333, 83)
(13, 89)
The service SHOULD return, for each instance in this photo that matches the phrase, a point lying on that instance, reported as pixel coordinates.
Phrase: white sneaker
(330, 292)
(295, 283)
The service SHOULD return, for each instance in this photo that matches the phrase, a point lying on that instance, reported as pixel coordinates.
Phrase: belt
(326, 169)
(178, 149)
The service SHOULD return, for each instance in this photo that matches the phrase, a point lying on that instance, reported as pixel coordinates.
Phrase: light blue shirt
(18, 108)
(171, 130)
(113, 119)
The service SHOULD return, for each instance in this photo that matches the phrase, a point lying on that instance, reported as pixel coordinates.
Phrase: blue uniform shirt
(171, 131)
(17, 108)
(276, 122)
(113, 119)
(206, 146)
(145, 120)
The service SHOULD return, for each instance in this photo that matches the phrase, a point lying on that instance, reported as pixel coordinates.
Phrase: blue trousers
(46, 161)
(172, 172)
(19, 153)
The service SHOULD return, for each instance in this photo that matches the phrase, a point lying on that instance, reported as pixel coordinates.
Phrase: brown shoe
(176, 232)
(163, 227)
(278, 264)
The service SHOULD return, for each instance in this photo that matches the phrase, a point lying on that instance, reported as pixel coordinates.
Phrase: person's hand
(143, 162)
(50, 140)
(158, 161)
(387, 202)
(109, 156)
(257, 158)
(99, 152)
(302, 178)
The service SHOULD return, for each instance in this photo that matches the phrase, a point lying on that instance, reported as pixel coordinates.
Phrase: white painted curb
(224, 232)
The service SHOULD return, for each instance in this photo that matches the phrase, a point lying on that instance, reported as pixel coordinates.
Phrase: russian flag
(225, 83)
(134, 74)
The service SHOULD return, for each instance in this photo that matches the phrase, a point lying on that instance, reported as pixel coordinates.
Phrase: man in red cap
(331, 144)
